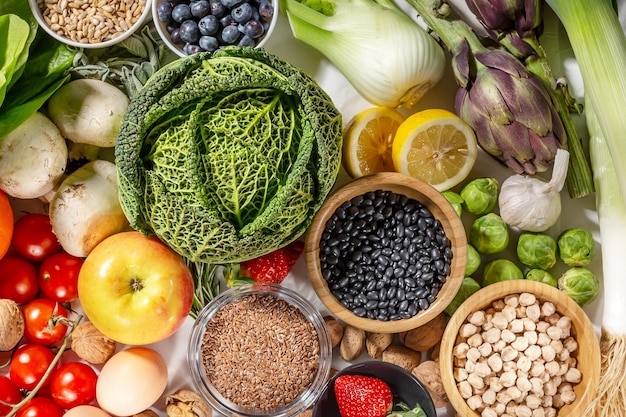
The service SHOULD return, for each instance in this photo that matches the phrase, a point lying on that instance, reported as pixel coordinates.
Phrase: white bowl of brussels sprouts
(190, 26)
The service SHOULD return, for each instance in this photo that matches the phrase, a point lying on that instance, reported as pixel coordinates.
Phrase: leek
(599, 45)
(611, 391)
(383, 53)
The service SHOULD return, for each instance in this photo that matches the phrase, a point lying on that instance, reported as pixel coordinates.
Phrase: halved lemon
(436, 146)
(368, 140)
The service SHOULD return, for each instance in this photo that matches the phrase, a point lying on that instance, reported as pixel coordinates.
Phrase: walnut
(91, 345)
(11, 324)
(429, 374)
(186, 403)
(425, 336)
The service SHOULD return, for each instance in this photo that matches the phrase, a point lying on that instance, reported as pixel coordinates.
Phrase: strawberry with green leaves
(271, 268)
(367, 396)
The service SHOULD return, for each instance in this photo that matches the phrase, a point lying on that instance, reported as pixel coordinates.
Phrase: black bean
(423, 303)
(359, 311)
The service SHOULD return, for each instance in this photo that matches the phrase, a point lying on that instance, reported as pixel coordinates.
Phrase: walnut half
(186, 403)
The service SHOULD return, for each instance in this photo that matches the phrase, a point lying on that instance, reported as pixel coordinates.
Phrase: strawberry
(271, 268)
(362, 396)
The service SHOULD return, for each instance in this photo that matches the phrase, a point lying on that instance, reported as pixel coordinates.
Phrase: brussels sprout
(480, 195)
(541, 276)
(489, 234)
(580, 284)
(455, 200)
(468, 287)
(500, 270)
(536, 250)
(473, 260)
(576, 247)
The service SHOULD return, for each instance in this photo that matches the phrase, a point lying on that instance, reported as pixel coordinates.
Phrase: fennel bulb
(386, 56)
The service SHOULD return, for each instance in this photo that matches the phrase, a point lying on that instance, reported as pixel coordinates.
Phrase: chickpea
(511, 300)
(520, 343)
(533, 312)
(467, 330)
(477, 318)
(516, 326)
(465, 389)
(500, 322)
(476, 381)
(488, 412)
(507, 336)
(527, 299)
(489, 397)
(533, 352)
(529, 325)
(548, 308)
(509, 313)
(507, 379)
(495, 362)
(485, 349)
(492, 335)
(474, 402)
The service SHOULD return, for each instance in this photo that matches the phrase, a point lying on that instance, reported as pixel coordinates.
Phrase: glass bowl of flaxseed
(90, 23)
(260, 350)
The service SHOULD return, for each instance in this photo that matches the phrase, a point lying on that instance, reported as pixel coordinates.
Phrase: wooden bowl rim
(413, 188)
(588, 343)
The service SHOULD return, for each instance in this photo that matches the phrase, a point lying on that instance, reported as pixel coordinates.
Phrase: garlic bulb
(530, 203)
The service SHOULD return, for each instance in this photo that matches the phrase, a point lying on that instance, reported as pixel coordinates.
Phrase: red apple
(135, 289)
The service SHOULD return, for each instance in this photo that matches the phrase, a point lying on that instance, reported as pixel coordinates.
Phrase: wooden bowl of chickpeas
(520, 348)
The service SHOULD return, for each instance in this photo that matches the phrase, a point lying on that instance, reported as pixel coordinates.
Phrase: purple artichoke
(514, 23)
(511, 110)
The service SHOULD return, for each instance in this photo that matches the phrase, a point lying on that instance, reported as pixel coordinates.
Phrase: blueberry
(227, 20)
(164, 11)
(200, 8)
(246, 41)
(175, 37)
(230, 34)
(217, 8)
(181, 12)
(266, 9)
(208, 43)
(230, 3)
(208, 25)
(171, 26)
(242, 13)
(189, 31)
(191, 49)
(253, 29)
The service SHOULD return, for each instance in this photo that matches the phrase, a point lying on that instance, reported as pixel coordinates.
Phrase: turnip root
(86, 209)
(88, 111)
(33, 158)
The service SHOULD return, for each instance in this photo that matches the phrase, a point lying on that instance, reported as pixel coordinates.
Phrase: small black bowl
(404, 386)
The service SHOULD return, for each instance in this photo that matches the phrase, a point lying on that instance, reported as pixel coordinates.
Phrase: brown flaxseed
(260, 352)
(97, 22)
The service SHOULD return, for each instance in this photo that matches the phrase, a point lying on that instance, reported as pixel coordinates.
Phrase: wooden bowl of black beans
(386, 253)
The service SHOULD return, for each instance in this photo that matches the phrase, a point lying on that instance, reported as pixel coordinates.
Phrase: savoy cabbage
(227, 156)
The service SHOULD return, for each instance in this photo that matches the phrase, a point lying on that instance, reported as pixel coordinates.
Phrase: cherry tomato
(6, 223)
(58, 276)
(40, 407)
(33, 237)
(43, 321)
(73, 384)
(29, 364)
(18, 279)
(9, 394)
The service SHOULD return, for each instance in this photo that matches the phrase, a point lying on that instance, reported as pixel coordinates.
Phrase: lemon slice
(435, 146)
(368, 140)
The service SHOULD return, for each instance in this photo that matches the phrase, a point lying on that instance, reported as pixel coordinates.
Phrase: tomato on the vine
(44, 321)
(40, 407)
(18, 279)
(33, 237)
(6, 223)
(58, 276)
(29, 365)
(9, 393)
(73, 384)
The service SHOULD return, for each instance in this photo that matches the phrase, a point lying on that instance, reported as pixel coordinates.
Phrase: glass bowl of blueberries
(191, 26)
(386, 253)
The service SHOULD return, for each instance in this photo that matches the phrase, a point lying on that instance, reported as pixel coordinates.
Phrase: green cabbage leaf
(227, 156)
